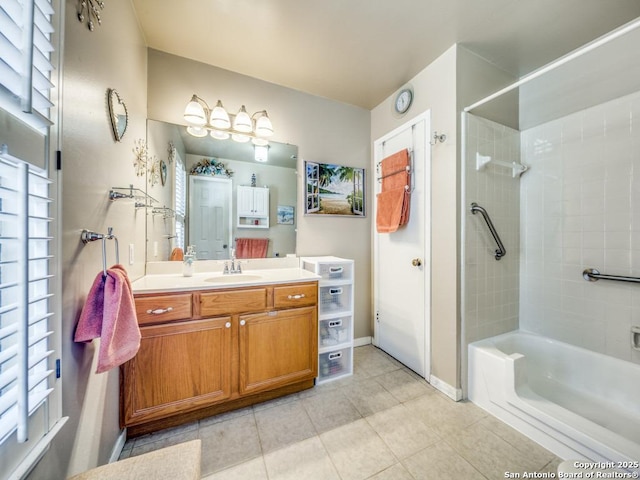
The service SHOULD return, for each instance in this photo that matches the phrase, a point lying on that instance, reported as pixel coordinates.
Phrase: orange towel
(177, 255)
(109, 313)
(394, 200)
(251, 247)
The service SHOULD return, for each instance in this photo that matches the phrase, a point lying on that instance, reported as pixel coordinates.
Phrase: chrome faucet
(231, 266)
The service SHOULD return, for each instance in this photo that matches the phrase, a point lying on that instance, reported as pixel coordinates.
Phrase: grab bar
(593, 275)
(500, 252)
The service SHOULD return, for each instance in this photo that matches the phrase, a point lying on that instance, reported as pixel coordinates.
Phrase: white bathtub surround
(580, 205)
(575, 402)
(491, 287)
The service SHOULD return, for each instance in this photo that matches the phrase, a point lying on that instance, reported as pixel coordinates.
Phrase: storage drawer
(163, 308)
(335, 299)
(301, 295)
(334, 364)
(336, 271)
(334, 331)
(228, 302)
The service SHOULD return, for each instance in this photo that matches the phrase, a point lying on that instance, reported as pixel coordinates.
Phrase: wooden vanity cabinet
(237, 347)
(167, 374)
(277, 348)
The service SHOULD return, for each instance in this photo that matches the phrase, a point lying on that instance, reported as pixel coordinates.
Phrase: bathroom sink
(234, 278)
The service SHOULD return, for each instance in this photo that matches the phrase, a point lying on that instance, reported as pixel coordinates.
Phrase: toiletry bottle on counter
(187, 264)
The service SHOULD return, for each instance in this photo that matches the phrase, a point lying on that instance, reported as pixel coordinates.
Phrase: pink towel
(251, 247)
(109, 313)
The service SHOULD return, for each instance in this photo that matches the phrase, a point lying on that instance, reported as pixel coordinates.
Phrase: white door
(210, 217)
(402, 258)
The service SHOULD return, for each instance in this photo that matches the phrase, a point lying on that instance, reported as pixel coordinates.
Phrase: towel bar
(88, 236)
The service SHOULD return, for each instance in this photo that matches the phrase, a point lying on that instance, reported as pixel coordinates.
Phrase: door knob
(416, 262)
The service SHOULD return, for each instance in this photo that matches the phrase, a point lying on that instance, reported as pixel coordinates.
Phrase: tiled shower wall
(580, 206)
(491, 287)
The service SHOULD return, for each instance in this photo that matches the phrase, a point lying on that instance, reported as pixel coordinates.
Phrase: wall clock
(403, 101)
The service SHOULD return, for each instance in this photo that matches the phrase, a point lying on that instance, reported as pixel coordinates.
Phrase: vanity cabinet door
(277, 348)
(180, 367)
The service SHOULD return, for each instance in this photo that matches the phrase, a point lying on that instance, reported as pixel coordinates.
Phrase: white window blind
(180, 197)
(25, 59)
(25, 294)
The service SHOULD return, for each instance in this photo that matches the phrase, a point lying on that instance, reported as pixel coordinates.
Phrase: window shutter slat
(25, 58)
(24, 294)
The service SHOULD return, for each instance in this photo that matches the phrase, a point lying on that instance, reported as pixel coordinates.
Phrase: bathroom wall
(580, 208)
(435, 90)
(324, 130)
(491, 287)
(454, 80)
(112, 56)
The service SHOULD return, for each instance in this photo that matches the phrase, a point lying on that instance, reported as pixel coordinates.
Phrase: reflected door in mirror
(210, 217)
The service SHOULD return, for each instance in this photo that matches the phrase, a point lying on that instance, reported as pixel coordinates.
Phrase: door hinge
(58, 368)
(58, 159)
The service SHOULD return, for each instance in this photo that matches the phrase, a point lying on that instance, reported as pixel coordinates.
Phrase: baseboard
(451, 392)
(119, 445)
(361, 342)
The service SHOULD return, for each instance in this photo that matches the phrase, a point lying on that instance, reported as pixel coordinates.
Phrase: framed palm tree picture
(334, 190)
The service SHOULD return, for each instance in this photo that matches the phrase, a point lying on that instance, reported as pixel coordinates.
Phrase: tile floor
(382, 423)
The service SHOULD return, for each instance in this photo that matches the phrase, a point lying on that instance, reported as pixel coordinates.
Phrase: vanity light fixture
(242, 127)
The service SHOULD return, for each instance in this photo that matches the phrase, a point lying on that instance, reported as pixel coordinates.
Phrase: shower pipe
(500, 252)
(593, 275)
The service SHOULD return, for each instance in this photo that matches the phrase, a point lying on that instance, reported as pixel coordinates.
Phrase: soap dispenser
(187, 264)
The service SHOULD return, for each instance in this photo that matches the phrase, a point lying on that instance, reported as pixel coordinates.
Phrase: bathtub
(577, 403)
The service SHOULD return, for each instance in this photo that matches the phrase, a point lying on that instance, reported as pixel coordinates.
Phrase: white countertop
(176, 282)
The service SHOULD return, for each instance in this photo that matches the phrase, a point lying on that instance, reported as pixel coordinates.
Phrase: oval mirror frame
(118, 114)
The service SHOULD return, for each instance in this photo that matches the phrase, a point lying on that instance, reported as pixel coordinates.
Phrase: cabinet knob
(416, 262)
(227, 325)
(160, 311)
(296, 297)
(242, 323)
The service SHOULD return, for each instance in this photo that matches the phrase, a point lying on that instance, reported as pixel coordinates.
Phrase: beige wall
(435, 90)
(324, 130)
(456, 79)
(114, 55)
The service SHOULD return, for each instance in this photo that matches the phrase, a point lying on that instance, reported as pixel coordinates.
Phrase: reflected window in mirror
(180, 199)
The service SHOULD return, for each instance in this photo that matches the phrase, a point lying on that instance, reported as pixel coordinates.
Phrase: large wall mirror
(251, 211)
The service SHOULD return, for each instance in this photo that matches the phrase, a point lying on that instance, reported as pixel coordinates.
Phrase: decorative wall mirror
(117, 114)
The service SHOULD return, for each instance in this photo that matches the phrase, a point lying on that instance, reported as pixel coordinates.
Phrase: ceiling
(360, 51)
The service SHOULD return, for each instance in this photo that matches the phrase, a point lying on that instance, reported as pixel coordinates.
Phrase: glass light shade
(220, 117)
(263, 126)
(238, 137)
(261, 153)
(194, 113)
(219, 135)
(197, 131)
(242, 122)
(259, 141)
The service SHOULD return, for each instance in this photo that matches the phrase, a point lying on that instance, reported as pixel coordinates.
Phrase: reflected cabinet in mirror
(220, 195)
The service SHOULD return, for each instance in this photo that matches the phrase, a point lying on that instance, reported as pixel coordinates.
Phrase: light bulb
(242, 122)
(220, 117)
(197, 131)
(194, 112)
(263, 126)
